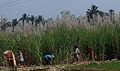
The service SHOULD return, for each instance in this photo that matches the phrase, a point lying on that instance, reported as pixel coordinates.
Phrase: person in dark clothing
(48, 58)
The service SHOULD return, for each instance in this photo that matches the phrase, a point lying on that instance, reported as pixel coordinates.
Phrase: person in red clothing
(10, 58)
(90, 53)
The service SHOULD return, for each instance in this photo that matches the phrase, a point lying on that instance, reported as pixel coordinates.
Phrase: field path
(54, 69)
(58, 67)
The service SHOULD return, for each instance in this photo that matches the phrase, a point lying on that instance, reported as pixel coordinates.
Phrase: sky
(51, 8)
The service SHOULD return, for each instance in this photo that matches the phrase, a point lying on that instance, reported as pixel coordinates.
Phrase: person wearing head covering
(48, 58)
(20, 57)
(77, 54)
(90, 53)
(10, 57)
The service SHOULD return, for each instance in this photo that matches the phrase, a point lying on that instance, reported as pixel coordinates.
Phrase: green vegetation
(115, 66)
(35, 35)
(59, 41)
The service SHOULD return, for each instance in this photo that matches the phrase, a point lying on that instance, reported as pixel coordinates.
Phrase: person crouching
(10, 58)
(48, 59)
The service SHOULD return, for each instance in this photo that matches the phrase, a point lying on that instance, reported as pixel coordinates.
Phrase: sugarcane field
(70, 41)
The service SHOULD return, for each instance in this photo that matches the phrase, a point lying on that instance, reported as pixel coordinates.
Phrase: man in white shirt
(77, 54)
(21, 58)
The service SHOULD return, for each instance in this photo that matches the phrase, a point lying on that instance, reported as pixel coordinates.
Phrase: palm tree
(4, 24)
(101, 13)
(92, 11)
(111, 12)
(24, 18)
(32, 19)
(39, 19)
(14, 23)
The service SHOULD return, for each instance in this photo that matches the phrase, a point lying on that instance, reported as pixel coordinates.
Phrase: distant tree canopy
(39, 19)
(93, 11)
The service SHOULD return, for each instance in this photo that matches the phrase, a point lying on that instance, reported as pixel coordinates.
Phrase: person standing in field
(77, 54)
(10, 58)
(90, 53)
(20, 57)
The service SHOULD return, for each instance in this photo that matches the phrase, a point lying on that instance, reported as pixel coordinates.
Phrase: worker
(90, 53)
(48, 59)
(77, 54)
(10, 58)
(20, 58)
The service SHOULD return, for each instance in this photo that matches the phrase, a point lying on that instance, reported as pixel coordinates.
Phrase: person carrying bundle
(20, 58)
(90, 53)
(9, 59)
(77, 54)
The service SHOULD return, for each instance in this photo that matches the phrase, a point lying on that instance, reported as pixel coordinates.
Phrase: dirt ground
(59, 67)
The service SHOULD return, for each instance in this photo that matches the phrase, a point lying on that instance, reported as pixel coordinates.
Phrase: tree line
(35, 20)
